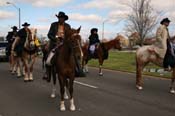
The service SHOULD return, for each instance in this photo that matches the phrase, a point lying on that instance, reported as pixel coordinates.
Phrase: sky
(85, 13)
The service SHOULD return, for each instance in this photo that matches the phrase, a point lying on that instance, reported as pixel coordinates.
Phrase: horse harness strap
(31, 52)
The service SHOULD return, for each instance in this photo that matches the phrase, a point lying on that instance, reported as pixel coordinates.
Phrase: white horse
(29, 54)
(143, 57)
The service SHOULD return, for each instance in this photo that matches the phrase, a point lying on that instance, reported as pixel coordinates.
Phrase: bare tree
(142, 18)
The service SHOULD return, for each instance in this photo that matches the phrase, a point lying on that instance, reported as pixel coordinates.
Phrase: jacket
(53, 32)
(162, 35)
(93, 39)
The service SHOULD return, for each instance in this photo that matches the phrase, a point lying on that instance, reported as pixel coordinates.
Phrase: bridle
(78, 41)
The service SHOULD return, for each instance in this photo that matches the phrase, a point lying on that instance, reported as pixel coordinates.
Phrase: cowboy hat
(14, 28)
(25, 24)
(94, 29)
(165, 20)
(62, 15)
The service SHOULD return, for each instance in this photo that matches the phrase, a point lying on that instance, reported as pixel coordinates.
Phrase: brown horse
(101, 52)
(143, 57)
(64, 65)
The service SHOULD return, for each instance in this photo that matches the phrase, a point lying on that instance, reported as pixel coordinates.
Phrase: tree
(142, 18)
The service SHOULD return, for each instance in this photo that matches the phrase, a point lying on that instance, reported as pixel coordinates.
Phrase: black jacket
(53, 31)
(22, 34)
(93, 39)
(11, 36)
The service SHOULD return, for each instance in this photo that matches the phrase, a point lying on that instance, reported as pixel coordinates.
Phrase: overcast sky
(86, 13)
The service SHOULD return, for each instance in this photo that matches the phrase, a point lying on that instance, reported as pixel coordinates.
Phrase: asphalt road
(114, 94)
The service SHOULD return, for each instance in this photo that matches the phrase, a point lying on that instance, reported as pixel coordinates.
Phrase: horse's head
(117, 42)
(30, 40)
(75, 39)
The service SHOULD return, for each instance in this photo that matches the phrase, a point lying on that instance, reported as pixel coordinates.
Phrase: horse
(64, 66)
(143, 57)
(29, 54)
(101, 52)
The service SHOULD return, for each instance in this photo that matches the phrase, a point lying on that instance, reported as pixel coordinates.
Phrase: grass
(125, 61)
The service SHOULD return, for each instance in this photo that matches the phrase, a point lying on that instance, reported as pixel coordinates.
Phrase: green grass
(125, 61)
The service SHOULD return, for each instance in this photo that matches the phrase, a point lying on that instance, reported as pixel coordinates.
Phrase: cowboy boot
(50, 56)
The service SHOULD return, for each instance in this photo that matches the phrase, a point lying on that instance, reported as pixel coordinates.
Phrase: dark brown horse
(143, 57)
(101, 52)
(64, 66)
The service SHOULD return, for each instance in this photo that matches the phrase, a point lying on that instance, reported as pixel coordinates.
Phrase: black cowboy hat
(94, 29)
(14, 28)
(25, 24)
(165, 20)
(62, 15)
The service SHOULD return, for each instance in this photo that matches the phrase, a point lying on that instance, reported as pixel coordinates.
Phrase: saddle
(95, 54)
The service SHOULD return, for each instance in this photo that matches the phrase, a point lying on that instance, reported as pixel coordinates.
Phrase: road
(114, 94)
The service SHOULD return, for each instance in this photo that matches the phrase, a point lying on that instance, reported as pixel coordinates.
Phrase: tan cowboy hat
(62, 15)
(25, 24)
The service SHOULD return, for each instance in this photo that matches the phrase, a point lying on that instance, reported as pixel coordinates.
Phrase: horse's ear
(79, 29)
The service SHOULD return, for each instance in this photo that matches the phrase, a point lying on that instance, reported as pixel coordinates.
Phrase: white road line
(87, 85)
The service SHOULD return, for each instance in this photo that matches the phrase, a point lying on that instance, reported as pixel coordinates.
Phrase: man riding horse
(56, 36)
(11, 38)
(21, 38)
(160, 45)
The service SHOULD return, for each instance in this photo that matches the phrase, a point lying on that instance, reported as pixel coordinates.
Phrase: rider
(11, 38)
(56, 34)
(93, 40)
(21, 37)
(162, 35)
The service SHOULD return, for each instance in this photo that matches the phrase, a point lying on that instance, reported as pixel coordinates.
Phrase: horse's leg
(53, 94)
(31, 69)
(13, 64)
(86, 66)
(53, 73)
(139, 67)
(66, 87)
(62, 84)
(84, 63)
(26, 76)
(172, 82)
(18, 67)
(71, 82)
(100, 67)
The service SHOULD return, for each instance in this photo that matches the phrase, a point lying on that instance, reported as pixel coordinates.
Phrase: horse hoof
(172, 91)
(30, 79)
(26, 79)
(72, 108)
(139, 87)
(100, 74)
(52, 95)
(19, 75)
(62, 108)
(66, 96)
